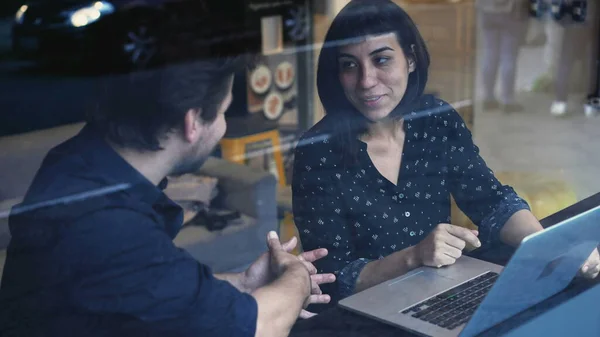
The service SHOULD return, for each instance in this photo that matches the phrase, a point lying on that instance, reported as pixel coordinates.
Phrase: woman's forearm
(394, 265)
(518, 226)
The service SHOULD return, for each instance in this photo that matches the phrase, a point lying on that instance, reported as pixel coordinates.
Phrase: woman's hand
(591, 267)
(444, 245)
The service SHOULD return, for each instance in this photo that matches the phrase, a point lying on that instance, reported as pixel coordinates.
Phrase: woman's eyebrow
(376, 51)
(379, 50)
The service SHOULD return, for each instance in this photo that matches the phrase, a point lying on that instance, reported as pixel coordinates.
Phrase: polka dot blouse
(359, 216)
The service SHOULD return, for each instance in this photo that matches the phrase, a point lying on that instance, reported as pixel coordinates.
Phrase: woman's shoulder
(320, 137)
(317, 151)
(431, 108)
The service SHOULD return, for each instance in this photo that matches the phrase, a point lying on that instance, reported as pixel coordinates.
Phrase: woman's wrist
(410, 258)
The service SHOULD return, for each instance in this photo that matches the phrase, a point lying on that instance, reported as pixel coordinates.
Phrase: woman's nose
(368, 77)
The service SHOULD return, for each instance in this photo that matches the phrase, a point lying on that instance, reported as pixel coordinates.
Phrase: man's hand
(591, 268)
(280, 260)
(444, 245)
(308, 258)
(260, 273)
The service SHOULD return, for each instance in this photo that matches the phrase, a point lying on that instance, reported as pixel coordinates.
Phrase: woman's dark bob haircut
(356, 21)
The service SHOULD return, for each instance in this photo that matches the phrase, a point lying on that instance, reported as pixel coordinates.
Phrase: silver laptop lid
(543, 265)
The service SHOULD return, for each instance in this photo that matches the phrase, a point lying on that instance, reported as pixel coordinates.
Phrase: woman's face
(374, 75)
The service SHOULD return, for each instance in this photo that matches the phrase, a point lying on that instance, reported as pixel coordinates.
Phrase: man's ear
(191, 125)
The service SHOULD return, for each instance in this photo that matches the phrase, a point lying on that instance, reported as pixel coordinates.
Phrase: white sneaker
(558, 108)
(592, 108)
(591, 112)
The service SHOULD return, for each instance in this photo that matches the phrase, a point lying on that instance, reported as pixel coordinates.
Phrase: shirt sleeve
(477, 192)
(320, 215)
(131, 267)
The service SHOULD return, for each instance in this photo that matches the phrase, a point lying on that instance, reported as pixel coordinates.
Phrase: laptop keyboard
(455, 306)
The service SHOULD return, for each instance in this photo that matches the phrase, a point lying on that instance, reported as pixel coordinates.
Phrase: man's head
(177, 108)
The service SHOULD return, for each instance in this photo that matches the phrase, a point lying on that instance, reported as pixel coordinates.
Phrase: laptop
(472, 295)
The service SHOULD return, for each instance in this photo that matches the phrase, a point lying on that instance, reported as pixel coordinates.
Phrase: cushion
(192, 192)
(191, 187)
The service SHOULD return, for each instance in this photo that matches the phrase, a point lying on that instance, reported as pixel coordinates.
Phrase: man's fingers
(273, 241)
(319, 299)
(464, 234)
(313, 255)
(306, 314)
(290, 244)
(315, 289)
(322, 278)
(311, 269)
(314, 299)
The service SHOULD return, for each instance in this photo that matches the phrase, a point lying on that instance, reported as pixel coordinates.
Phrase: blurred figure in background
(503, 26)
(569, 55)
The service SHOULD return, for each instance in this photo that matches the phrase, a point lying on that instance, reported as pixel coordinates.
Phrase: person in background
(91, 252)
(503, 26)
(570, 55)
(373, 180)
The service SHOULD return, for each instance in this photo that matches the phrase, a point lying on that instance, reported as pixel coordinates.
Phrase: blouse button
(401, 195)
(407, 214)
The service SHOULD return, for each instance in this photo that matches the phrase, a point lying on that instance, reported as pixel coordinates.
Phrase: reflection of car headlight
(86, 15)
(20, 13)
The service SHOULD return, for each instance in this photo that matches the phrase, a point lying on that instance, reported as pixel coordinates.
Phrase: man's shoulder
(66, 187)
(63, 180)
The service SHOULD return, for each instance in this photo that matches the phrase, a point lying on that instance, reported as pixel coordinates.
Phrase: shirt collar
(103, 158)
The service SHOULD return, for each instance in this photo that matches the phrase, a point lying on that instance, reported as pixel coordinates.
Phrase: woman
(503, 26)
(372, 180)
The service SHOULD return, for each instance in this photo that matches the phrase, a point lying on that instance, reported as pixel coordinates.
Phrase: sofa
(250, 191)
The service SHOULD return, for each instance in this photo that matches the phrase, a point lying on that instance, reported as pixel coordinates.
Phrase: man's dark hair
(138, 109)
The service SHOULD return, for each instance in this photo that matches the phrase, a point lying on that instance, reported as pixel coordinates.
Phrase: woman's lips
(372, 100)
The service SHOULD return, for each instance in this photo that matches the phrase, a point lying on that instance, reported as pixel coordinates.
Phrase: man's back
(92, 254)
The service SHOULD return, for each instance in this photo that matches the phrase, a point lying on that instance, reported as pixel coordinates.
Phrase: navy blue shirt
(360, 216)
(92, 254)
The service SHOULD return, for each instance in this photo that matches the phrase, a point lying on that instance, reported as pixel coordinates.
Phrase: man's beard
(192, 163)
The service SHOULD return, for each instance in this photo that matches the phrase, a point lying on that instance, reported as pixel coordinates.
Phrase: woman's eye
(381, 60)
(347, 64)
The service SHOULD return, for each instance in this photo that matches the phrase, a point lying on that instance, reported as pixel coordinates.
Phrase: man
(91, 251)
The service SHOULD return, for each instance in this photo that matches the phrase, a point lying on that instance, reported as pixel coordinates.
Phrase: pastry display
(260, 80)
(273, 106)
(284, 75)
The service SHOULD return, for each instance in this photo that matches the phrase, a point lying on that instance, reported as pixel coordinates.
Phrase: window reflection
(363, 131)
